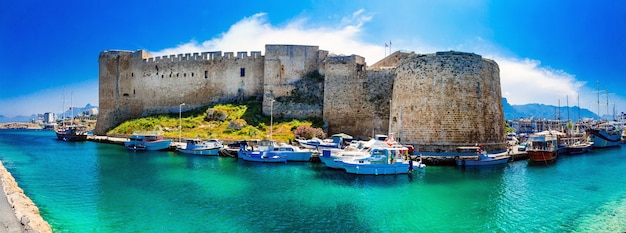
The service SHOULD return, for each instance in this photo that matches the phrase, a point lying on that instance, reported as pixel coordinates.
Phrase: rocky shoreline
(25, 211)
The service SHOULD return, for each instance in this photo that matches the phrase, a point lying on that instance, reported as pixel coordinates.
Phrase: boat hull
(154, 145)
(377, 169)
(542, 156)
(475, 162)
(296, 156)
(601, 138)
(210, 152)
(263, 157)
(72, 137)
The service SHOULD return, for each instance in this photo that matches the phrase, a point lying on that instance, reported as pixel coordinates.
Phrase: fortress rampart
(435, 102)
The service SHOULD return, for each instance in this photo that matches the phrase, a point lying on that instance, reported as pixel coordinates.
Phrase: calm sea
(93, 187)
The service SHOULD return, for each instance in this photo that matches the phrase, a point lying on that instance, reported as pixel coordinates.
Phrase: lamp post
(271, 117)
(180, 122)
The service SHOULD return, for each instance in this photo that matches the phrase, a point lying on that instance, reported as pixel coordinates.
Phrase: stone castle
(435, 102)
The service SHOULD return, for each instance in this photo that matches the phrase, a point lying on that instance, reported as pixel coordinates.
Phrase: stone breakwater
(23, 207)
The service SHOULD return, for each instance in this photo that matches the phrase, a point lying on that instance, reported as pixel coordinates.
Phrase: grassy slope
(194, 124)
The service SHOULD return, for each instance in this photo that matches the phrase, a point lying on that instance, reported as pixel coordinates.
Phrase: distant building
(49, 117)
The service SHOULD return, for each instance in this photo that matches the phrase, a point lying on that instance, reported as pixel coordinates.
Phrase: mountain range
(68, 113)
(542, 111)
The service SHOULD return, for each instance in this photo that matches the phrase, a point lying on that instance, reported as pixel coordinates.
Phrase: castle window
(161, 76)
(242, 72)
(206, 74)
(184, 74)
(177, 75)
(191, 74)
(132, 74)
(282, 69)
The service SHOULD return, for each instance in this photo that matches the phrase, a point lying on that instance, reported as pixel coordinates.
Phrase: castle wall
(285, 66)
(143, 85)
(435, 102)
(447, 100)
(356, 101)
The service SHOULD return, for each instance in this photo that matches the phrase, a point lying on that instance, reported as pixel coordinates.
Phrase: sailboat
(605, 134)
(71, 133)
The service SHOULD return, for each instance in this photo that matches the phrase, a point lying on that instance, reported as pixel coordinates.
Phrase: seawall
(26, 212)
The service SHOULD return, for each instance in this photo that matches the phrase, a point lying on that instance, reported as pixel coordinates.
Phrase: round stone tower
(445, 100)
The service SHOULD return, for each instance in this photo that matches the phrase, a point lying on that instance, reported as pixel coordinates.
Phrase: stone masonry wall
(356, 101)
(448, 100)
(285, 65)
(134, 84)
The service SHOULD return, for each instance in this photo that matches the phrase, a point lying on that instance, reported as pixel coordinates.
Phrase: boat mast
(72, 109)
(63, 120)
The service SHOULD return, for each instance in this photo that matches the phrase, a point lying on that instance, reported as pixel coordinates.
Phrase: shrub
(308, 132)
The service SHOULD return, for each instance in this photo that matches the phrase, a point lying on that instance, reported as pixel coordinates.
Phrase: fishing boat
(200, 147)
(576, 145)
(482, 158)
(270, 151)
(543, 147)
(316, 143)
(334, 158)
(383, 161)
(148, 140)
(337, 141)
(606, 135)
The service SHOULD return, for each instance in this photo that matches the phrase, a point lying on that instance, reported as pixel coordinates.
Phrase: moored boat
(150, 140)
(607, 135)
(71, 133)
(270, 150)
(543, 147)
(383, 161)
(199, 147)
(260, 156)
(482, 158)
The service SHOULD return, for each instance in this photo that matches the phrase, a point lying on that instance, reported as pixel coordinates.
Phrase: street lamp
(180, 121)
(271, 117)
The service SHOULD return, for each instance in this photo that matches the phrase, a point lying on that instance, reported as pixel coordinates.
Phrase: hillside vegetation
(221, 121)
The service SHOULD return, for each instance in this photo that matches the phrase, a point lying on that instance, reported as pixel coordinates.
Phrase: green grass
(249, 115)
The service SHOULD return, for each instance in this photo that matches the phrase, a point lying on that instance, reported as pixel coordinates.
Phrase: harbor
(104, 187)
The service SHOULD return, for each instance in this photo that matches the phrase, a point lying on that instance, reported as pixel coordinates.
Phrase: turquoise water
(93, 187)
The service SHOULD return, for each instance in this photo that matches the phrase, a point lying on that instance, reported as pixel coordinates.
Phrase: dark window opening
(125, 94)
(132, 74)
(191, 74)
(206, 74)
(242, 72)
(133, 91)
(184, 74)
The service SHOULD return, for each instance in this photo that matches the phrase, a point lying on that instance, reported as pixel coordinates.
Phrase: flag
(386, 45)
(389, 42)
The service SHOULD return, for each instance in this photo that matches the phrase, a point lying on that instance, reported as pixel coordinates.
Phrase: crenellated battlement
(204, 56)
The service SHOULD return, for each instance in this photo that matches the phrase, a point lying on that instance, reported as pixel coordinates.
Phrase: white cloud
(522, 80)
(526, 81)
(253, 33)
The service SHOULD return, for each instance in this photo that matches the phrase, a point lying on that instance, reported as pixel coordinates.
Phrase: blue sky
(548, 51)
